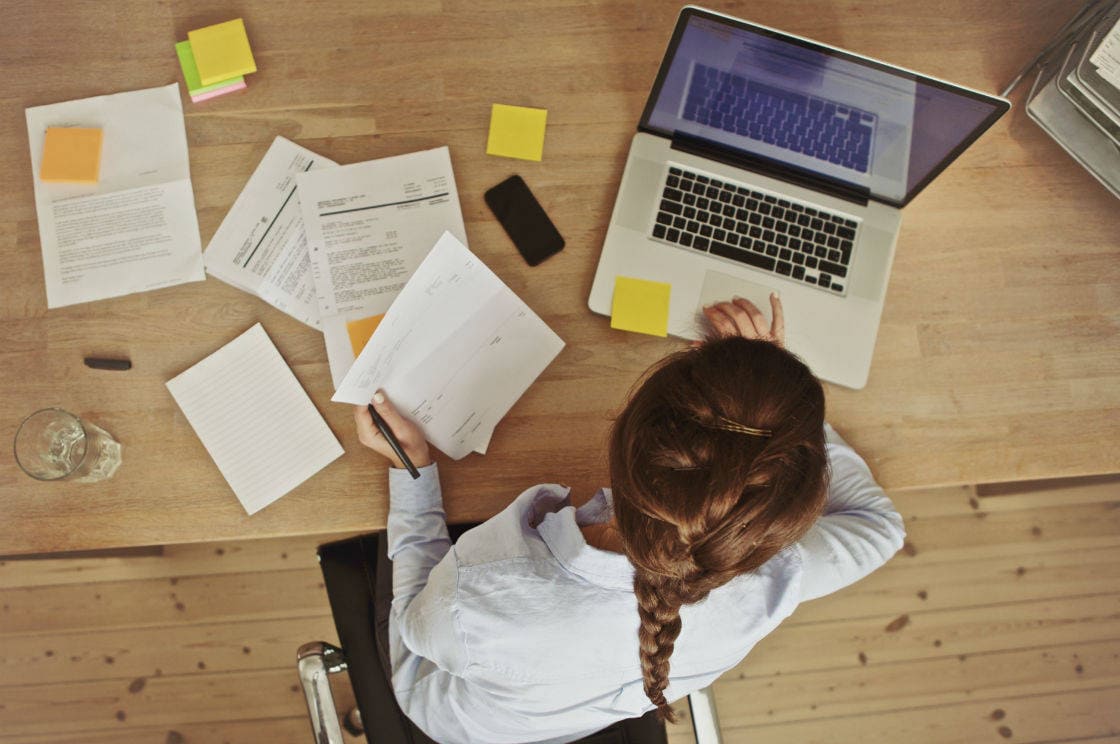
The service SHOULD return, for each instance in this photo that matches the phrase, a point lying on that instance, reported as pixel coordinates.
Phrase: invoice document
(136, 228)
(261, 245)
(255, 420)
(454, 352)
(369, 225)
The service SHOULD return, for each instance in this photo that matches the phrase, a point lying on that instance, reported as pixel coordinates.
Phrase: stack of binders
(215, 60)
(1076, 96)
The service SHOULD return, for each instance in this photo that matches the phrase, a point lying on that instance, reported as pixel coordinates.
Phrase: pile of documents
(1076, 97)
(374, 255)
(215, 60)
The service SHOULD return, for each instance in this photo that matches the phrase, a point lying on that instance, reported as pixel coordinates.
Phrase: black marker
(114, 364)
(393, 442)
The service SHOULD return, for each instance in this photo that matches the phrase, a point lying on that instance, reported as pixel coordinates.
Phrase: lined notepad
(254, 419)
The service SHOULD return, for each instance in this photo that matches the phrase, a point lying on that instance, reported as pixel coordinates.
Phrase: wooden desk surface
(997, 358)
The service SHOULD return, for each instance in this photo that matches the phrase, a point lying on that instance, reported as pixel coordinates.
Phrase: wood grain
(998, 357)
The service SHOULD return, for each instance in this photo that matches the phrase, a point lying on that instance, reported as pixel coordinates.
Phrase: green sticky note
(641, 306)
(516, 132)
(190, 72)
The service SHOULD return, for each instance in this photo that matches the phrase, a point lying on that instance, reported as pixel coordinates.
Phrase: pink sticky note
(218, 92)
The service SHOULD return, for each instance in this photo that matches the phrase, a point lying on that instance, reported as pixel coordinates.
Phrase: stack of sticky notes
(215, 59)
(71, 155)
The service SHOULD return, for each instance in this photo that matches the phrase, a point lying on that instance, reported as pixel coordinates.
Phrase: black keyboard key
(742, 228)
(747, 257)
(698, 188)
(700, 244)
(833, 242)
(820, 252)
(669, 206)
(679, 222)
(720, 235)
(770, 199)
(810, 280)
(764, 208)
(729, 210)
(803, 220)
(706, 231)
(797, 207)
(717, 184)
(794, 230)
(799, 260)
(725, 196)
(834, 256)
(664, 218)
(846, 233)
(686, 239)
(659, 231)
(781, 239)
(850, 223)
(690, 213)
(771, 249)
(811, 262)
(785, 254)
(838, 219)
(810, 211)
(689, 198)
(702, 203)
(752, 204)
(756, 231)
(783, 203)
(834, 268)
(768, 222)
(702, 179)
(816, 223)
(785, 268)
(673, 235)
(733, 239)
(693, 226)
(743, 190)
(798, 271)
(674, 171)
(768, 235)
(712, 192)
(715, 221)
(755, 218)
(781, 227)
(795, 243)
(830, 228)
(741, 214)
(702, 217)
(739, 200)
(837, 287)
(672, 182)
(778, 213)
(824, 280)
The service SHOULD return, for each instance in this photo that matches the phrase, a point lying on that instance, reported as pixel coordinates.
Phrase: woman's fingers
(778, 324)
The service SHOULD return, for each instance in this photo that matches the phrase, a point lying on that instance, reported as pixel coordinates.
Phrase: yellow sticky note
(516, 132)
(222, 51)
(361, 330)
(641, 306)
(71, 155)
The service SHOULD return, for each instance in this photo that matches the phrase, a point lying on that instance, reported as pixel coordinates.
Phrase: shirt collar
(559, 529)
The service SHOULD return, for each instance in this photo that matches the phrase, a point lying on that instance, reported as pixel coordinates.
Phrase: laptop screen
(808, 107)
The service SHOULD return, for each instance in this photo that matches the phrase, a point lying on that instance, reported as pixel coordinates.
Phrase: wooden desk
(997, 359)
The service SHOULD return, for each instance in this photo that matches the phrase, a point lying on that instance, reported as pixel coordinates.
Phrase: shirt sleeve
(859, 531)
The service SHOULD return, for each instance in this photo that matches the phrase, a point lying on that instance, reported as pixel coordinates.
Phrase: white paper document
(369, 225)
(254, 419)
(454, 352)
(1107, 56)
(136, 228)
(261, 245)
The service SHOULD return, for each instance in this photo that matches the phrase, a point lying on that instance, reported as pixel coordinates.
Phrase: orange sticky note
(71, 155)
(222, 51)
(361, 330)
(641, 306)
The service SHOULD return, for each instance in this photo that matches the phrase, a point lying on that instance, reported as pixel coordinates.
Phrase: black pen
(391, 438)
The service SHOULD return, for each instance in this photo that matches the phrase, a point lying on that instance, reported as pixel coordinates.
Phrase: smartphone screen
(526, 223)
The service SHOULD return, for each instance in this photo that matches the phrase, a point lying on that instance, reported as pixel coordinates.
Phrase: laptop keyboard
(802, 243)
(813, 126)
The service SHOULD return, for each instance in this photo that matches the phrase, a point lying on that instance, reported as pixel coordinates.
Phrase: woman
(547, 623)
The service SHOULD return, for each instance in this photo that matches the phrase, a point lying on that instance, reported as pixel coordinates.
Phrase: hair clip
(728, 425)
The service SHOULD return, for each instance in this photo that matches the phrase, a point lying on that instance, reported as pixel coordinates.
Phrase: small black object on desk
(119, 365)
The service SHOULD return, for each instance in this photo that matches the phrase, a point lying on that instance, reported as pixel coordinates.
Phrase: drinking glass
(53, 444)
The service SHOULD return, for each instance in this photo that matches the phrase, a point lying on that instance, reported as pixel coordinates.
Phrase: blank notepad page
(254, 419)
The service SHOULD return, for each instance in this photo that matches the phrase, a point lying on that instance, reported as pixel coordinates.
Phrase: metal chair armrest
(317, 661)
(705, 722)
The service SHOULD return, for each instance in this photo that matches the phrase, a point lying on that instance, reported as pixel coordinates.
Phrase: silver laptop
(765, 162)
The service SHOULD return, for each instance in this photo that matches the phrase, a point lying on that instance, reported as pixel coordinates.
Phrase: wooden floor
(1000, 621)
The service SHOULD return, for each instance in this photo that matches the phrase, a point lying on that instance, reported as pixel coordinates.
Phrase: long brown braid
(698, 500)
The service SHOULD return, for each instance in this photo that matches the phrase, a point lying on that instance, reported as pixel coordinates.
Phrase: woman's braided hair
(698, 500)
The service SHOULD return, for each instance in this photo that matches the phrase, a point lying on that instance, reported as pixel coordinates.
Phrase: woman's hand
(407, 433)
(741, 317)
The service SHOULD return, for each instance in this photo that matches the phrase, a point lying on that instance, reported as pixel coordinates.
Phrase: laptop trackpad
(720, 287)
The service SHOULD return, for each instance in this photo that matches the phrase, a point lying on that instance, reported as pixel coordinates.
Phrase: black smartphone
(526, 223)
